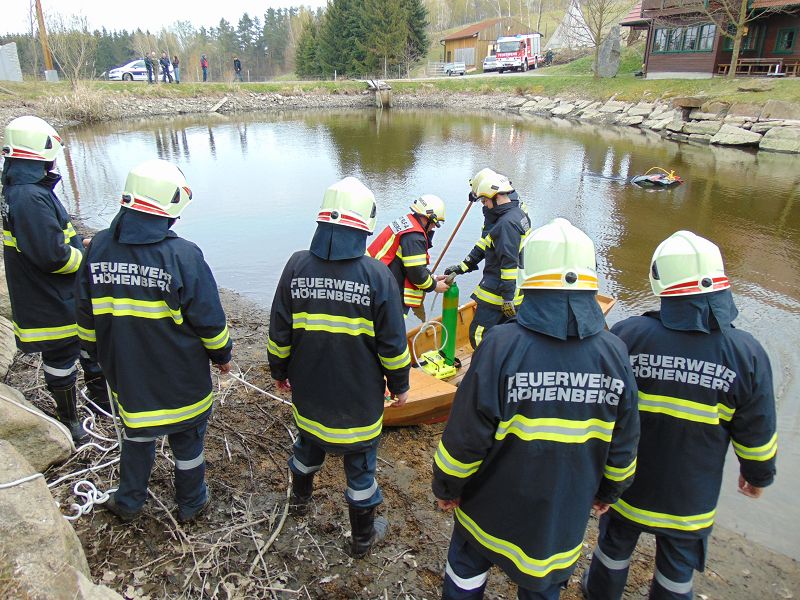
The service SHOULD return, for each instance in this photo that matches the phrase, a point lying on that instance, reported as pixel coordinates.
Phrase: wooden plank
(218, 105)
(429, 399)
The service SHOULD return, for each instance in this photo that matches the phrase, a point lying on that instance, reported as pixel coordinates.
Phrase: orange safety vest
(385, 246)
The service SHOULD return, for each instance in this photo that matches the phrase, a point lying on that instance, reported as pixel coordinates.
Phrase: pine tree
(307, 64)
(386, 34)
(417, 19)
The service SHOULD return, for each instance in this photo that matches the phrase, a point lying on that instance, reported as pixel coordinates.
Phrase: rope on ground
(258, 389)
(11, 484)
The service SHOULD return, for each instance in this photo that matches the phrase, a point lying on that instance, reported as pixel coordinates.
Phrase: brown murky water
(258, 181)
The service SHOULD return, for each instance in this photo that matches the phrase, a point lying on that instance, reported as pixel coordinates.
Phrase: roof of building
(472, 30)
(635, 16)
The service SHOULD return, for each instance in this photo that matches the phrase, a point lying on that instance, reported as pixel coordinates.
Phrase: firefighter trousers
(136, 463)
(486, 317)
(676, 561)
(359, 467)
(467, 570)
(60, 370)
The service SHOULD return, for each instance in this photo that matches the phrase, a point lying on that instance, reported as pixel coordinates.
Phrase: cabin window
(751, 40)
(696, 38)
(786, 41)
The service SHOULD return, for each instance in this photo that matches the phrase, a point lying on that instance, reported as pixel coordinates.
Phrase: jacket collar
(18, 171)
(561, 313)
(700, 312)
(134, 227)
(337, 242)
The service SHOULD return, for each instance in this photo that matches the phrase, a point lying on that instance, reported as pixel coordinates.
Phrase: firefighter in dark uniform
(702, 385)
(149, 310)
(403, 246)
(505, 228)
(337, 340)
(42, 253)
(543, 428)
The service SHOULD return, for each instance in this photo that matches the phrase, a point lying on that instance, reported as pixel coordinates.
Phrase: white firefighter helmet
(31, 138)
(430, 206)
(490, 184)
(157, 187)
(475, 182)
(350, 203)
(686, 264)
(558, 256)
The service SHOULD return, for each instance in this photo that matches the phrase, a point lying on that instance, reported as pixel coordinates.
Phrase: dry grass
(84, 104)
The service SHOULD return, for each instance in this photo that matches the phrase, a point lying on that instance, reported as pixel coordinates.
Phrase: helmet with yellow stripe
(430, 206)
(558, 256)
(686, 264)
(350, 203)
(488, 185)
(157, 187)
(31, 138)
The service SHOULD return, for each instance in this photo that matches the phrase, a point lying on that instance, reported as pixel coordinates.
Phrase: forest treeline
(348, 37)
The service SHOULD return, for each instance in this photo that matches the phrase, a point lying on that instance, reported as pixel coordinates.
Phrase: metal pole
(452, 235)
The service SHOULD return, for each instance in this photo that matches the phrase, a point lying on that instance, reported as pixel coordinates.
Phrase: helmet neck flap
(699, 312)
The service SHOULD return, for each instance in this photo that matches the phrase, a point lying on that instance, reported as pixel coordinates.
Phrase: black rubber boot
(67, 412)
(302, 489)
(367, 531)
(98, 393)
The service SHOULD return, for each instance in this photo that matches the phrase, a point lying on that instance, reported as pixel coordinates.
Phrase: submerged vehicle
(661, 179)
(429, 397)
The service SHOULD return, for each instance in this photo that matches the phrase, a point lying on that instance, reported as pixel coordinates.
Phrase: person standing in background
(204, 66)
(164, 62)
(176, 68)
(237, 67)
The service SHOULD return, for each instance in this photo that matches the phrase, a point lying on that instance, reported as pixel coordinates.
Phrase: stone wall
(774, 127)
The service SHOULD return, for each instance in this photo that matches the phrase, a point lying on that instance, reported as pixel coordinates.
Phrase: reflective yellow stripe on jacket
(87, 335)
(386, 247)
(418, 260)
(44, 334)
(759, 453)
(9, 240)
(684, 409)
(565, 431)
(656, 519)
(396, 362)
(128, 307)
(167, 416)
(492, 298)
(619, 473)
(279, 351)
(218, 341)
(332, 435)
(333, 324)
(72, 264)
(452, 466)
(535, 567)
(484, 242)
(508, 273)
(69, 233)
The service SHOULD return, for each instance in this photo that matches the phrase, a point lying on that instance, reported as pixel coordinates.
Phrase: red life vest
(385, 246)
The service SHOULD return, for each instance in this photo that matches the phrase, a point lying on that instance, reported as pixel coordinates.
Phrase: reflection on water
(258, 181)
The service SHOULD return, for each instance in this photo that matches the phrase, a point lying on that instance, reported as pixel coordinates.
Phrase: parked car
(455, 68)
(489, 64)
(133, 71)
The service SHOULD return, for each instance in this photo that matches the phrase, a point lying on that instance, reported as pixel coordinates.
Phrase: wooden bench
(751, 67)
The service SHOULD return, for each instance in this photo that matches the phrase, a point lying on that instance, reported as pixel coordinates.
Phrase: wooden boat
(429, 399)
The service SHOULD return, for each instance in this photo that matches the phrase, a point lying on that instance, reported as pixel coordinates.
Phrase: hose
(670, 174)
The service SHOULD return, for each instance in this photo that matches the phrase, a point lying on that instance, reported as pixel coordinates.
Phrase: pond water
(258, 180)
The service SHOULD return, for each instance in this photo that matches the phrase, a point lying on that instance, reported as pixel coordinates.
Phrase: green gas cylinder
(449, 322)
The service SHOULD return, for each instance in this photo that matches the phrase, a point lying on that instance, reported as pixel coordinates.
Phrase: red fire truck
(519, 52)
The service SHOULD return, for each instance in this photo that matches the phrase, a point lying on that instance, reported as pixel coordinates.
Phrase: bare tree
(600, 16)
(33, 40)
(73, 46)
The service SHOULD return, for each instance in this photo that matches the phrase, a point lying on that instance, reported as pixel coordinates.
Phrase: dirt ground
(247, 546)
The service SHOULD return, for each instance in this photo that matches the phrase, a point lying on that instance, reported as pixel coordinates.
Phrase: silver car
(489, 64)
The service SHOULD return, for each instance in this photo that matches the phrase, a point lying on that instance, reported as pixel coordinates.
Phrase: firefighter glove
(457, 269)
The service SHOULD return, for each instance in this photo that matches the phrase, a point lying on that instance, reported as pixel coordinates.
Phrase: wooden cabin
(474, 43)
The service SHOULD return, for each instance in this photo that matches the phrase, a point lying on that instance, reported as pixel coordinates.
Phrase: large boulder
(38, 547)
(781, 139)
(609, 55)
(41, 440)
(702, 127)
(728, 135)
(779, 109)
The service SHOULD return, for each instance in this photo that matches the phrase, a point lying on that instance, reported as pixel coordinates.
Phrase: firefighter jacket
(42, 253)
(336, 331)
(505, 229)
(541, 425)
(403, 247)
(149, 312)
(699, 390)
